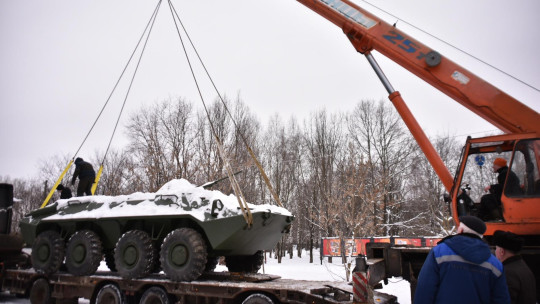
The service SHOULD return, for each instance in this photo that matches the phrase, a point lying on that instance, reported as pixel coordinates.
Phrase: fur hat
(473, 223)
(508, 240)
(501, 162)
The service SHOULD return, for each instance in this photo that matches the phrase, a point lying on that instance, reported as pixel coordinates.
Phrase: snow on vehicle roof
(176, 197)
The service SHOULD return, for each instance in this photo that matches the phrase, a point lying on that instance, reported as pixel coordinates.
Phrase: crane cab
(519, 208)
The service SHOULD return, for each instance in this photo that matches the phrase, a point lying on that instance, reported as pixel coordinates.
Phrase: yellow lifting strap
(96, 181)
(46, 201)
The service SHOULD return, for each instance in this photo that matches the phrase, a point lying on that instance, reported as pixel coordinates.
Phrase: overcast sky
(59, 60)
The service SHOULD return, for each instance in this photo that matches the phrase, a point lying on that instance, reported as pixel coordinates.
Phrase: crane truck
(519, 144)
(519, 212)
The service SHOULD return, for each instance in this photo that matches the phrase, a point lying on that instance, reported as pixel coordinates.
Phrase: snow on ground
(297, 269)
(301, 269)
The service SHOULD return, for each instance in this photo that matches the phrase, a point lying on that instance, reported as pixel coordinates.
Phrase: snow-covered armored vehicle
(181, 229)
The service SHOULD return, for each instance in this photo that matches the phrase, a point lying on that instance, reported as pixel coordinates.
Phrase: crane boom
(368, 32)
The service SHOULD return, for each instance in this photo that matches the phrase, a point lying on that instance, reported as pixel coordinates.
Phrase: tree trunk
(311, 248)
(279, 253)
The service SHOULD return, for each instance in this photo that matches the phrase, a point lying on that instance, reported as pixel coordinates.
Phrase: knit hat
(508, 240)
(473, 223)
(78, 160)
(501, 162)
(60, 187)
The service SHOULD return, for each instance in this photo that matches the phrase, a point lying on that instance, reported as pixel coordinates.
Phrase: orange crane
(519, 144)
(519, 122)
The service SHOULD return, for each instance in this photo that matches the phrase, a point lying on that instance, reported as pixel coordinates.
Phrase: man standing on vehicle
(87, 176)
(520, 279)
(461, 269)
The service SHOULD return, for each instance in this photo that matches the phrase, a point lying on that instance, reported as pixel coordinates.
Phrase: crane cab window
(525, 166)
(495, 174)
(479, 174)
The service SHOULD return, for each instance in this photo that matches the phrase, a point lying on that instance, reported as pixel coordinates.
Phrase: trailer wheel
(40, 293)
(245, 263)
(183, 255)
(48, 252)
(110, 294)
(258, 298)
(134, 254)
(211, 263)
(155, 295)
(83, 253)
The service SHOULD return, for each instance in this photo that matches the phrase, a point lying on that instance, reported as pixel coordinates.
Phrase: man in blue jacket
(461, 269)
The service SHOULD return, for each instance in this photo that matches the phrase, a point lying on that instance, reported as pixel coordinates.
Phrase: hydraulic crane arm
(367, 32)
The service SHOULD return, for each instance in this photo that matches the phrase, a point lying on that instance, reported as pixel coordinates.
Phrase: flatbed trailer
(215, 287)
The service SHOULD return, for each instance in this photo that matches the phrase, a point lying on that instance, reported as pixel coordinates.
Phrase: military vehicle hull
(175, 227)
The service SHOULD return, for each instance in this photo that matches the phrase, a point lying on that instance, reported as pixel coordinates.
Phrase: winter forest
(353, 174)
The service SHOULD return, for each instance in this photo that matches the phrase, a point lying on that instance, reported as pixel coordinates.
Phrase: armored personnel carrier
(181, 229)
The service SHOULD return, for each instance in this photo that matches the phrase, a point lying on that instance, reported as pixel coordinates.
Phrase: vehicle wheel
(48, 252)
(83, 253)
(245, 263)
(258, 298)
(109, 259)
(110, 294)
(40, 293)
(183, 255)
(211, 263)
(155, 295)
(134, 255)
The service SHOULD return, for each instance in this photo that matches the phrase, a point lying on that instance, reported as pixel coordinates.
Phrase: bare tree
(162, 141)
(28, 194)
(323, 141)
(425, 197)
(116, 178)
(378, 133)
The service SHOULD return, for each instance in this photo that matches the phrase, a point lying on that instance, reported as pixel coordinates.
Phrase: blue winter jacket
(461, 270)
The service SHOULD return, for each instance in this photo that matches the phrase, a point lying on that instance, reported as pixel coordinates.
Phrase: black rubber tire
(109, 259)
(245, 263)
(48, 252)
(110, 294)
(40, 293)
(211, 263)
(83, 253)
(155, 295)
(258, 298)
(183, 255)
(134, 255)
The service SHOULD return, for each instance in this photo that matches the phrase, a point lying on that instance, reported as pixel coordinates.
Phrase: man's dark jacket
(512, 183)
(83, 170)
(520, 279)
(66, 193)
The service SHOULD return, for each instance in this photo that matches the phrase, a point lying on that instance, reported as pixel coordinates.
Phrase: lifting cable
(152, 21)
(251, 153)
(148, 28)
(236, 188)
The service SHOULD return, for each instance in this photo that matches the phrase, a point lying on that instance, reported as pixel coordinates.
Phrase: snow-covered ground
(296, 268)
